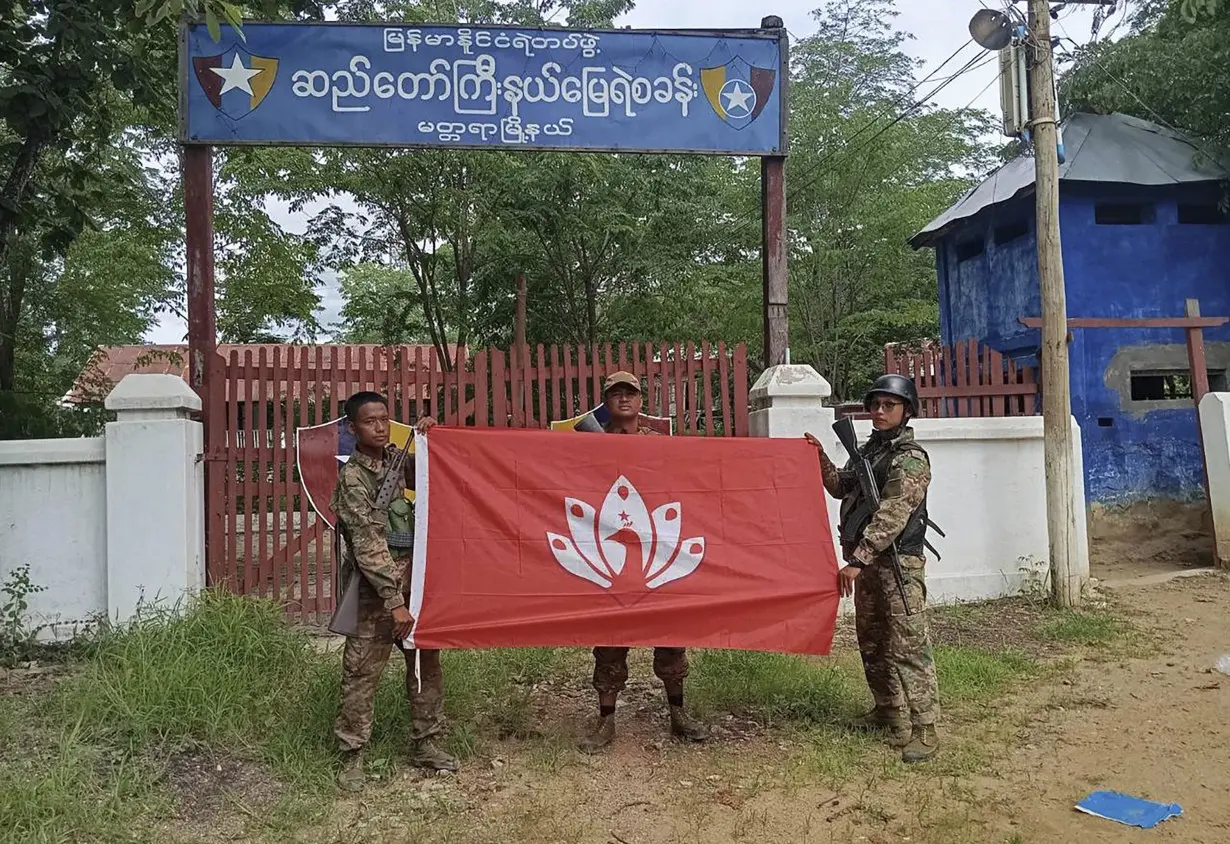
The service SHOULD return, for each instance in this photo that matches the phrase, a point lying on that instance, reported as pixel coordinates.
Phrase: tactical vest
(853, 523)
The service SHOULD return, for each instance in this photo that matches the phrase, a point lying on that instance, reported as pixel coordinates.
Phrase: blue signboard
(477, 87)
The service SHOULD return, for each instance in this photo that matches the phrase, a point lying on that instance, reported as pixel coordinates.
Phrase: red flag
(532, 538)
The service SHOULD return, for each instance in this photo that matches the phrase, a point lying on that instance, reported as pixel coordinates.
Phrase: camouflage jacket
(907, 476)
(365, 528)
(643, 430)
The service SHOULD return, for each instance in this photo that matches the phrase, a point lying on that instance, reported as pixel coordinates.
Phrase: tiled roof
(111, 363)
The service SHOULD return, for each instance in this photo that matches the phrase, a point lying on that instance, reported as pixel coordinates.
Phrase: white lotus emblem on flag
(624, 541)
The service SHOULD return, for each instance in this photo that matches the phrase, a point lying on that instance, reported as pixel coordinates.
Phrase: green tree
(1172, 68)
(860, 186)
(381, 305)
(90, 229)
(107, 286)
(615, 247)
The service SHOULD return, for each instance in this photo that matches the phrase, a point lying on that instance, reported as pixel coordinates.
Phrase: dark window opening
(970, 249)
(1202, 215)
(1010, 232)
(1105, 422)
(1122, 214)
(1171, 385)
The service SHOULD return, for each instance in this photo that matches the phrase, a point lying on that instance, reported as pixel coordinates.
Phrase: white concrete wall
(988, 493)
(988, 486)
(1215, 431)
(110, 523)
(53, 517)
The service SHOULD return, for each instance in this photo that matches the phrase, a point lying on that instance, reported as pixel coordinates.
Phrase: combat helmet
(894, 385)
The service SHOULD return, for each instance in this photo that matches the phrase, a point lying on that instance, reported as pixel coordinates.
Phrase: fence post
(155, 494)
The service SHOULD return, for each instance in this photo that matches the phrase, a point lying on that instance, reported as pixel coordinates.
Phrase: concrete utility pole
(1056, 397)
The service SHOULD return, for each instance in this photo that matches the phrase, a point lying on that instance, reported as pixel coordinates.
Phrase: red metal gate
(263, 537)
(966, 379)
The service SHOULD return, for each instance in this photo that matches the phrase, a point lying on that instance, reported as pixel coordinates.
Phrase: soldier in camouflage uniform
(895, 646)
(622, 395)
(378, 549)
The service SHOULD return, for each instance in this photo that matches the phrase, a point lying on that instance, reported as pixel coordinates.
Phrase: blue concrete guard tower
(1145, 228)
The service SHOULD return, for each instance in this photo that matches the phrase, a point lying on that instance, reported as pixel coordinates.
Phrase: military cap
(625, 378)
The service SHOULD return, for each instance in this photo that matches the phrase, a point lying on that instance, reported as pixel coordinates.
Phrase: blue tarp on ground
(1126, 809)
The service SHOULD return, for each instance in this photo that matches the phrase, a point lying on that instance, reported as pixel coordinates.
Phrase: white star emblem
(738, 95)
(236, 77)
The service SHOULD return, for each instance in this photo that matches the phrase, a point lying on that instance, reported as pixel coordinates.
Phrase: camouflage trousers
(896, 648)
(670, 665)
(363, 663)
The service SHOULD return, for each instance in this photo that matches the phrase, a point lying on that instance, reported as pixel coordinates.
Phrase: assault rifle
(345, 620)
(857, 520)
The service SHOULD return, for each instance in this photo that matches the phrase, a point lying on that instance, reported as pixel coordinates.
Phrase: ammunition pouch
(400, 530)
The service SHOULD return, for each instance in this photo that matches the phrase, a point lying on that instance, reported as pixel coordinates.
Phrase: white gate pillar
(155, 494)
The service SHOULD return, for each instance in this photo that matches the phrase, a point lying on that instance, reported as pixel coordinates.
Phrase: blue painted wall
(1145, 270)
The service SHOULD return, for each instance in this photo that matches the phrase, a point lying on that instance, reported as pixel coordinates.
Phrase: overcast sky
(937, 27)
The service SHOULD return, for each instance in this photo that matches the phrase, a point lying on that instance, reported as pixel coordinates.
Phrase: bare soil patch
(1145, 716)
(1150, 724)
(205, 783)
(1149, 537)
(1153, 727)
(1123, 696)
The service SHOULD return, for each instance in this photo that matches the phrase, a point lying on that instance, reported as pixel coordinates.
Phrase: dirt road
(1157, 727)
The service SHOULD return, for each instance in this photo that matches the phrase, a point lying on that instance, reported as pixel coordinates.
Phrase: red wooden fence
(263, 536)
(967, 379)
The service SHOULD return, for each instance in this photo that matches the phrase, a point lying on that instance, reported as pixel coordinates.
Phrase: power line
(1093, 57)
(827, 162)
(914, 88)
(973, 100)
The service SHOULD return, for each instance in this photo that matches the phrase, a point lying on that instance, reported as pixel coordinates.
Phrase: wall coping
(49, 452)
(970, 428)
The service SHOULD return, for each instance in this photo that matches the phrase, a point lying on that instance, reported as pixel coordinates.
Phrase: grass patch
(491, 689)
(785, 689)
(63, 789)
(773, 687)
(229, 673)
(214, 674)
(973, 675)
(833, 753)
(1089, 629)
(95, 759)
